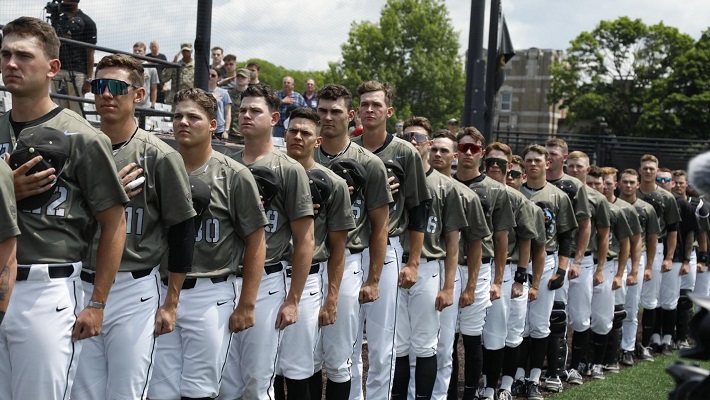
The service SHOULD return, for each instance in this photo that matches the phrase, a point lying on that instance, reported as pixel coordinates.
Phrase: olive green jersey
(375, 194)
(446, 214)
(557, 209)
(526, 223)
(496, 205)
(476, 228)
(63, 229)
(293, 201)
(412, 191)
(665, 205)
(632, 215)
(620, 229)
(648, 220)
(577, 192)
(234, 212)
(164, 201)
(336, 216)
(8, 211)
(599, 210)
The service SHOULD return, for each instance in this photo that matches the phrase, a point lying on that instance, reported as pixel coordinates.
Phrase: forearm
(416, 241)
(635, 253)
(702, 241)
(110, 250)
(538, 265)
(227, 117)
(602, 247)
(379, 219)
(252, 268)
(500, 254)
(451, 260)
(303, 246)
(336, 262)
(671, 242)
(651, 243)
(624, 250)
(584, 232)
(175, 281)
(524, 246)
(688, 250)
(8, 271)
(473, 262)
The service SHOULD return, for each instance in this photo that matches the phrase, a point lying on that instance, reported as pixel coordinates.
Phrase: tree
(619, 71)
(415, 48)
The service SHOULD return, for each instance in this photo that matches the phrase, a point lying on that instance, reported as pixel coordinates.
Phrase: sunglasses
(419, 137)
(663, 180)
(499, 162)
(513, 174)
(472, 147)
(115, 87)
(213, 75)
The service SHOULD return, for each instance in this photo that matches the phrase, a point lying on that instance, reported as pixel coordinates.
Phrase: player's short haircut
(34, 27)
(264, 91)
(229, 57)
(474, 133)
(630, 171)
(557, 142)
(610, 171)
(305, 113)
(140, 45)
(221, 50)
(595, 172)
(665, 170)
(446, 134)
(205, 100)
(536, 148)
(375, 86)
(419, 121)
(255, 65)
(125, 62)
(517, 160)
(334, 92)
(680, 172)
(500, 147)
(649, 157)
(576, 155)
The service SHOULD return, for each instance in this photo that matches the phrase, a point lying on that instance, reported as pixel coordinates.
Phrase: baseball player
(333, 221)
(374, 109)
(370, 201)
(8, 238)
(213, 303)
(560, 223)
(443, 152)
(418, 322)
(698, 258)
(668, 221)
(505, 319)
(499, 218)
(603, 296)
(289, 241)
(580, 288)
(611, 359)
(75, 190)
(575, 189)
(120, 359)
(671, 284)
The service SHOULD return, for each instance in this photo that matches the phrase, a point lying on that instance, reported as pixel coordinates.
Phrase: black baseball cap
(54, 147)
(353, 172)
(267, 182)
(321, 187)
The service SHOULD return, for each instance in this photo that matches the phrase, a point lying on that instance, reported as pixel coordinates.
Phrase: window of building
(506, 101)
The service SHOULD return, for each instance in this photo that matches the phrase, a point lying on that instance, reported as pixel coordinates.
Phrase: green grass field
(645, 381)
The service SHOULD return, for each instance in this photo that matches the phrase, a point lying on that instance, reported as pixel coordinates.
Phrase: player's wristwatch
(96, 304)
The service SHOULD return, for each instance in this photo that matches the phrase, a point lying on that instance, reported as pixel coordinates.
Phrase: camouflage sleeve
(652, 225)
(581, 204)
(454, 214)
(340, 216)
(633, 218)
(246, 209)
(8, 211)
(174, 188)
(298, 201)
(602, 213)
(503, 217)
(621, 228)
(475, 216)
(415, 190)
(99, 183)
(377, 190)
(566, 219)
(526, 227)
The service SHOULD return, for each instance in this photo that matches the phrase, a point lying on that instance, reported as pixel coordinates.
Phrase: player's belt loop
(55, 271)
(486, 260)
(587, 253)
(549, 253)
(660, 241)
(315, 268)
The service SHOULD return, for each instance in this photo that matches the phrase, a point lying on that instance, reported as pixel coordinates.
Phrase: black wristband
(521, 275)
(703, 257)
(561, 272)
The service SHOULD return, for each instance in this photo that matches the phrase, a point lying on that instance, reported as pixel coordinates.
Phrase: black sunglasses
(662, 180)
(501, 163)
(514, 174)
(115, 86)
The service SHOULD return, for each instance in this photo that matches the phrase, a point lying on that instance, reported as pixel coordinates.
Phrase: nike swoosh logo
(314, 293)
(62, 309)
(435, 275)
(273, 293)
(356, 272)
(221, 303)
(506, 281)
(143, 300)
(387, 263)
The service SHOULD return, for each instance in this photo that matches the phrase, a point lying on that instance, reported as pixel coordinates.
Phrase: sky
(308, 34)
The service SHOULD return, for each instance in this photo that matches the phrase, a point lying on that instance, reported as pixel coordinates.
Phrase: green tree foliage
(415, 48)
(621, 71)
(273, 75)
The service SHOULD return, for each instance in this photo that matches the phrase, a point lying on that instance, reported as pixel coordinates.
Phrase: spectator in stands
(77, 61)
(310, 95)
(254, 69)
(187, 75)
(399, 129)
(228, 81)
(217, 62)
(150, 79)
(155, 53)
(453, 125)
(236, 95)
(224, 109)
(290, 100)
